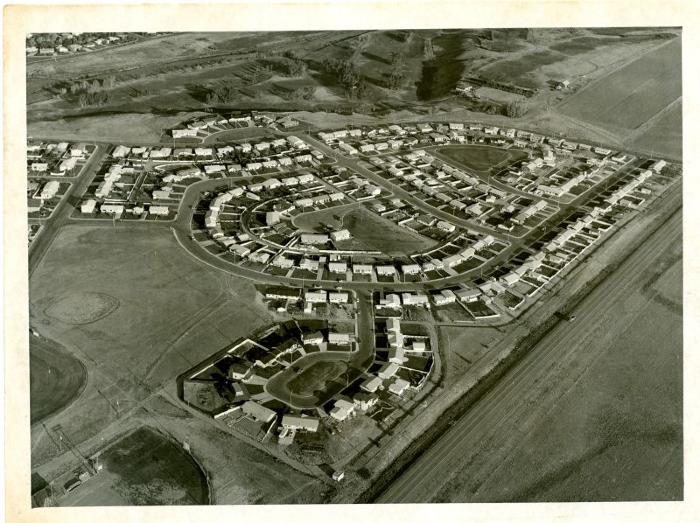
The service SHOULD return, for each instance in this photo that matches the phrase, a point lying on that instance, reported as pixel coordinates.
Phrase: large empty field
(144, 468)
(370, 231)
(480, 158)
(55, 377)
(630, 96)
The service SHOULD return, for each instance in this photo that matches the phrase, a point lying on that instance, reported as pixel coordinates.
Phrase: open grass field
(56, 378)
(145, 468)
(480, 158)
(630, 96)
(173, 312)
(373, 232)
(314, 377)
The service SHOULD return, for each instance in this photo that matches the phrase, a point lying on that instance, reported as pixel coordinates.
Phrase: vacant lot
(633, 94)
(314, 378)
(56, 378)
(480, 158)
(144, 468)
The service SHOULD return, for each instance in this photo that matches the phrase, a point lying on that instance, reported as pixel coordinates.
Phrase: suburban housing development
(329, 284)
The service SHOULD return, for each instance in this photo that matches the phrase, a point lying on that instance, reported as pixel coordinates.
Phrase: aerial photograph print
(355, 266)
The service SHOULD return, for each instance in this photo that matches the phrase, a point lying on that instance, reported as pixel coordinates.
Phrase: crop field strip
(633, 94)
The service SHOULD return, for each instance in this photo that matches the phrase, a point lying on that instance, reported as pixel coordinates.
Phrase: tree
(516, 109)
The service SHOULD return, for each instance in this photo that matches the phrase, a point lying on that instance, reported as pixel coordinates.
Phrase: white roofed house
(49, 190)
(67, 165)
(445, 297)
(203, 152)
(388, 371)
(446, 226)
(309, 265)
(338, 267)
(159, 210)
(371, 384)
(385, 270)
(313, 239)
(392, 301)
(338, 297)
(410, 268)
(398, 386)
(306, 423)
(316, 296)
(362, 268)
(39, 167)
(339, 338)
(342, 410)
(88, 206)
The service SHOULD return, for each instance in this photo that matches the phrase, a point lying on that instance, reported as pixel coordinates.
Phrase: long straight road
(65, 207)
(426, 476)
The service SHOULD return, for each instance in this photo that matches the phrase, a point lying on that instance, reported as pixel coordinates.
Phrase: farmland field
(55, 376)
(478, 157)
(630, 96)
(665, 136)
(616, 434)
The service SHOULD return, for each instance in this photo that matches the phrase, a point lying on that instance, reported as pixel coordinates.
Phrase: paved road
(426, 476)
(61, 214)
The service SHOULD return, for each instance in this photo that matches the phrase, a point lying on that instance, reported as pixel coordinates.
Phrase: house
(306, 423)
(309, 265)
(340, 235)
(468, 295)
(258, 412)
(34, 204)
(361, 268)
(338, 297)
(342, 410)
(316, 296)
(158, 210)
(398, 386)
(272, 217)
(385, 270)
(365, 401)
(283, 262)
(371, 384)
(564, 84)
(415, 299)
(49, 190)
(445, 226)
(88, 206)
(445, 297)
(418, 346)
(281, 293)
(392, 301)
(410, 268)
(338, 267)
(114, 209)
(313, 338)
(388, 370)
(39, 167)
(396, 355)
(67, 165)
(313, 239)
(339, 338)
